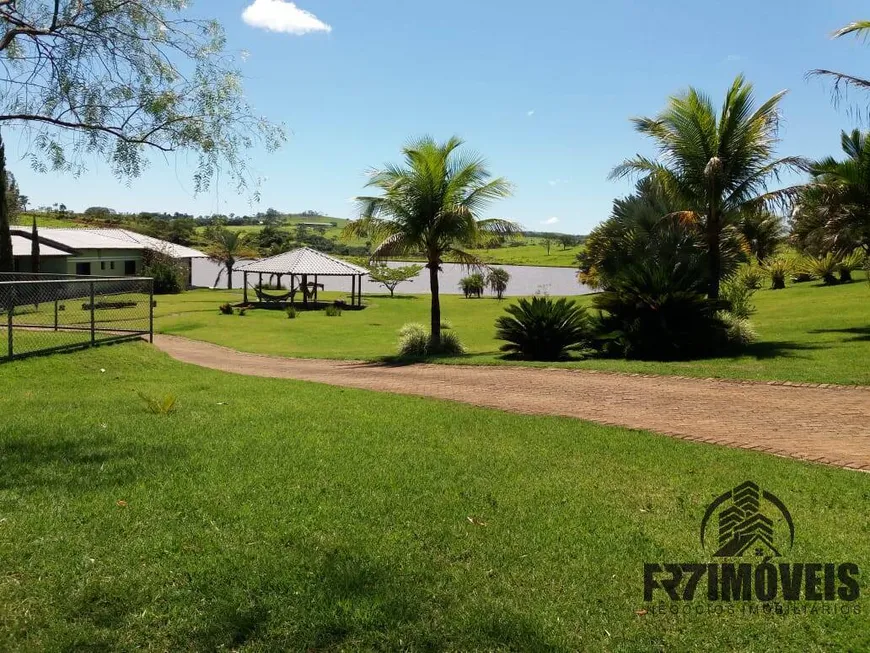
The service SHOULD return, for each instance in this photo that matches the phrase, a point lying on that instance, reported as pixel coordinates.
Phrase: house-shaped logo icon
(746, 523)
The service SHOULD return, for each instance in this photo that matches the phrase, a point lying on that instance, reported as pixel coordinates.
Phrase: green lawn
(808, 333)
(278, 515)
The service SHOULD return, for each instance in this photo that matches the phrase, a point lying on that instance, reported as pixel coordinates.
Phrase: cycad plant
(431, 204)
(823, 267)
(543, 329)
(778, 268)
(854, 260)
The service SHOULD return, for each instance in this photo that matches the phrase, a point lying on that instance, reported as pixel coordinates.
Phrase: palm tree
(224, 247)
(763, 233)
(646, 226)
(431, 205)
(716, 167)
(833, 212)
(842, 81)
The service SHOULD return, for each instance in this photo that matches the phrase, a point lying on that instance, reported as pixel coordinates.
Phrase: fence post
(93, 325)
(55, 312)
(10, 309)
(151, 311)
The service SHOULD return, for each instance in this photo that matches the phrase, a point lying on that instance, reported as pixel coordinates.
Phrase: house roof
(21, 246)
(304, 261)
(78, 239)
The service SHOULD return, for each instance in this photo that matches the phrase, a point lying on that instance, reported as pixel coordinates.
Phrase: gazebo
(305, 264)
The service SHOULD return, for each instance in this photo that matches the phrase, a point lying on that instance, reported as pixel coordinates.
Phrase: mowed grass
(277, 515)
(807, 333)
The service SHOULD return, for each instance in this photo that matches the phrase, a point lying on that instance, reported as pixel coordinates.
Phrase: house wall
(47, 264)
(106, 262)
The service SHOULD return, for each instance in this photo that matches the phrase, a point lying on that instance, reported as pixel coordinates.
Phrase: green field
(808, 333)
(277, 515)
(531, 252)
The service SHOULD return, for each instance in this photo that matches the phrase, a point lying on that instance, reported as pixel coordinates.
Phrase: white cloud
(733, 57)
(552, 220)
(280, 16)
(530, 113)
(558, 182)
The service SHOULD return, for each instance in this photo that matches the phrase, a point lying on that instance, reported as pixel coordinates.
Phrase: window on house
(129, 268)
(112, 265)
(102, 265)
(83, 269)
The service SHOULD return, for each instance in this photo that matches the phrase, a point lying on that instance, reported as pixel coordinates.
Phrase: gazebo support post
(293, 289)
(315, 289)
(305, 290)
(352, 289)
(245, 293)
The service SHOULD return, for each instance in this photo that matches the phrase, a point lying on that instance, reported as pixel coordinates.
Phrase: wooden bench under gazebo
(305, 267)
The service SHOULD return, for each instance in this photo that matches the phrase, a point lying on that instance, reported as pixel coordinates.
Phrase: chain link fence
(41, 313)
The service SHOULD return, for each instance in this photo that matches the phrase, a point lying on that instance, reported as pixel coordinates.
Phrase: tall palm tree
(431, 204)
(224, 247)
(716, 166)
(833, 212)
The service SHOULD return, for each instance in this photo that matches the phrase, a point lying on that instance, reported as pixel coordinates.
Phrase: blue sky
(543, 90)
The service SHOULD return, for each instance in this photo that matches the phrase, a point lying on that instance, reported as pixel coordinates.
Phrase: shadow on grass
(861, 334)
(352, 601)
(405, 361)
(74, 465)
(777, 349)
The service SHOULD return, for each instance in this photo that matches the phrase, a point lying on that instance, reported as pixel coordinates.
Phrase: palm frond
(858, 27)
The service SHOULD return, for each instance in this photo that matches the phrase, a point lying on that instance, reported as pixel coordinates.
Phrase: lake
(525, 280)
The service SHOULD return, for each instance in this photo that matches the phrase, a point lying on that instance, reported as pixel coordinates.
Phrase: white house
(98, 252)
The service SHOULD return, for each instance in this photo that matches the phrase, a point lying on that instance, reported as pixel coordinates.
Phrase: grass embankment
(531, 252)
(278, 515)
(808, 333)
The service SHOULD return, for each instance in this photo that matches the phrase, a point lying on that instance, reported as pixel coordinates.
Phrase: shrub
(472, 285)
(751, 276)
(243, 311)
(739, 330)
(450, 344)
(657, 311)
(414, 342)
(543, 329)
(849, 263)
(822, 267)
(738, 295)
(778, 268)
(226, 309)
(333, 311)
(446, 325)
(292, 313)
(170, 276)
(497, 280)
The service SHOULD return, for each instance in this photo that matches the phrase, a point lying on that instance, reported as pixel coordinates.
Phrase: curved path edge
(828, 425)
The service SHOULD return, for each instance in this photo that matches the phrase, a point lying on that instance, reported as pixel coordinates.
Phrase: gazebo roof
(304, 261)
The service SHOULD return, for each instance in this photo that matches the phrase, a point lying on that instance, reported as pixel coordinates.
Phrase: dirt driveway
(829, 425)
